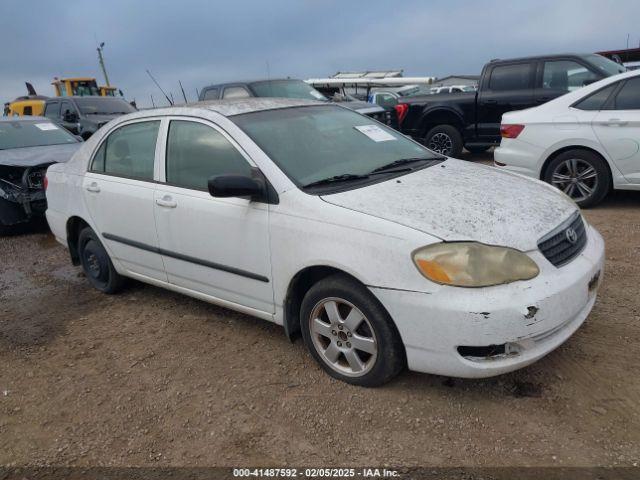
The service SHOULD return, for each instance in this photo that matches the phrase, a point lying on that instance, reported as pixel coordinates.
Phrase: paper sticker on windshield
(46, 126)
(375, 133)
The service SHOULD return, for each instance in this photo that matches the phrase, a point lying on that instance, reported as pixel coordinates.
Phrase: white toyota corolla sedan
(382, 253)
(584, 143)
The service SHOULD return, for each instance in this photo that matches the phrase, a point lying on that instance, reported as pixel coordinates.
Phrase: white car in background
(320, 219)
(584, 143)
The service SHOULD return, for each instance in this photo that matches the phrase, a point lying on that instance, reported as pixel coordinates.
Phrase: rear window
(211, 94)
(596, 100)
(628, 97)
(21, 134)
(286, 89)
(511, 77)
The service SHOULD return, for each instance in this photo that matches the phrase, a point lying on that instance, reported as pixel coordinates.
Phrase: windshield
(20, 134)
(606, 66)
(103, 106)
(286, 89)
(317, 142)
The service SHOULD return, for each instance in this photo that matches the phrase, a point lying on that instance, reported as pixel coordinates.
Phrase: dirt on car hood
(456, 200)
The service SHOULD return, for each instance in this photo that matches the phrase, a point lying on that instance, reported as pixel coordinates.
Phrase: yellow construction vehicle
(109, 91)
(31, 104)
(76, 87)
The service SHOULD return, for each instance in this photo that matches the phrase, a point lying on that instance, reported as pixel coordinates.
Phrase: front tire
(445, 140)
(581, 174)
(96, 263)
(349, 333)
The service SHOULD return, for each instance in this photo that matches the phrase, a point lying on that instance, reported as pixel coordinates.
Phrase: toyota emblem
(571, 235)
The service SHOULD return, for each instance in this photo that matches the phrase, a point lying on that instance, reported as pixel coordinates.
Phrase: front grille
(565, 242)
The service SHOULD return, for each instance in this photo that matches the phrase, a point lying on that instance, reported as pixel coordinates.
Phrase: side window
(596, 100)
(211, 94)
(129, 151)
(52, 110)
(196, 152)
(628, 98)
(386, 100)
(510, 77)
(235, 92)
(28, 110)
(97, 164)
(566, 75)
(65, 109)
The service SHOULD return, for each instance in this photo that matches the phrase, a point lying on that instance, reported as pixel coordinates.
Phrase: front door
(215, 246)
(118, 192)
(69, 117)
(618, 129)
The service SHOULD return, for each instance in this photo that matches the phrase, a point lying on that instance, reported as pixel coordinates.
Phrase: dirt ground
(153, 378)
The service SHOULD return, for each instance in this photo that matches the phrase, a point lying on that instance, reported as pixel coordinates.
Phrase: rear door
(617, 126)
(215, 246)
(505, 87)
(118, 191)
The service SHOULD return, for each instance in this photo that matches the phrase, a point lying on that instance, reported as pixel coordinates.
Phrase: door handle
(490, 102)
(616, 122)
(166, 202)
(93, 187)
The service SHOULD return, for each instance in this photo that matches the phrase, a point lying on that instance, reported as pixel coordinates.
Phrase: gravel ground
(152, 378)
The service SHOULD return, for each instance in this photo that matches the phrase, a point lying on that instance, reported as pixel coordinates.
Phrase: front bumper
(16, 208)
(532, 317)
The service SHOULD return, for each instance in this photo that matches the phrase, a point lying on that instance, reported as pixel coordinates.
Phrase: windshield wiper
(403, 161)
(347, 177)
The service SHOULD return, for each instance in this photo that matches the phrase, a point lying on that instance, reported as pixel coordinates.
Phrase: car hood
(456, 200)
(33, 156)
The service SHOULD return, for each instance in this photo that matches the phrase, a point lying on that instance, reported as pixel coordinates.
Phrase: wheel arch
(559, 151)
(74, 226)
(440, 116)
(299, 285)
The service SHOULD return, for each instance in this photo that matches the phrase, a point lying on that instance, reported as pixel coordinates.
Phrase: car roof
(24, 118)
(250, 82)
(539, 57)
(76, 97)
(236, 106)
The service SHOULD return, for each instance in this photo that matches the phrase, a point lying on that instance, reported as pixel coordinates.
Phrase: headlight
(470, 264)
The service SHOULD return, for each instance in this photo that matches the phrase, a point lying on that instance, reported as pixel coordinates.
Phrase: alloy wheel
(575, 177)
(441, 143)
(343, 337)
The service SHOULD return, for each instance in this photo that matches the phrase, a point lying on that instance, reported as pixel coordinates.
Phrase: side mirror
(70, 117)
(223, 186)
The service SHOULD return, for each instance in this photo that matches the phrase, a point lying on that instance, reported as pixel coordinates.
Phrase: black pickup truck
(446, 123)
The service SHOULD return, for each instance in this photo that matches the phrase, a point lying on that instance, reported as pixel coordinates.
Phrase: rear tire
(349, 333)
(96, 263)
(445, 140)
(581, 174)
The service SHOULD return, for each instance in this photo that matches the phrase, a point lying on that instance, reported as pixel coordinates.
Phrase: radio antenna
(158, 85)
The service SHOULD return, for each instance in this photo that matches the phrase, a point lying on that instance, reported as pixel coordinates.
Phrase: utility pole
(101, 60)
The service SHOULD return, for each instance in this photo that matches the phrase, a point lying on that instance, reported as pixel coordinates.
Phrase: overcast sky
(203, 41)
